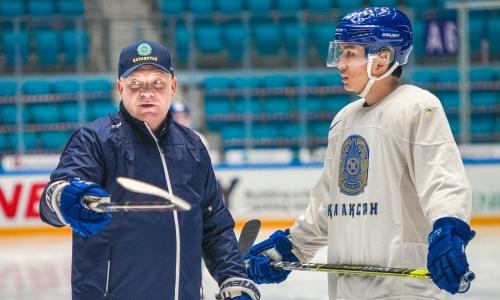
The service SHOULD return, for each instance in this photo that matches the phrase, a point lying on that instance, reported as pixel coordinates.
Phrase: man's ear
(174, 85)
(382, 62)
(119, 86)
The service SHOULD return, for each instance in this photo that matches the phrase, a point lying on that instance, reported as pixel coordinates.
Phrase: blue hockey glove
(446, 259)
(82, 220)
(277, 248)
(242, 297)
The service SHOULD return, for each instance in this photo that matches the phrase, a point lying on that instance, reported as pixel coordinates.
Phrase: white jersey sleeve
(310, 231)
(440, 179)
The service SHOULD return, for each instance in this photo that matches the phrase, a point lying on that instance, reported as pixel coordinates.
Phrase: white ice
(39, 268)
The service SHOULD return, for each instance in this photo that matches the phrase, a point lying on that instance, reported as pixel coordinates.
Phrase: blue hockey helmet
(179, 107)
(376, 29)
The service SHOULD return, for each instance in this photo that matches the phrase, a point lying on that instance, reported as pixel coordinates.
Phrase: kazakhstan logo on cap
(144, 49)
(353, 168)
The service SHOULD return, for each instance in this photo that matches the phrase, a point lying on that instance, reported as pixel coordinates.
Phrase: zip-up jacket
(147, 255)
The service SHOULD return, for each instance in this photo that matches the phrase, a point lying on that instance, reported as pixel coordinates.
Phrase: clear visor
(348, 54)
(352, 55)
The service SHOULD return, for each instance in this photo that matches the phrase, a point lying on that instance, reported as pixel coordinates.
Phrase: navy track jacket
(134, 257)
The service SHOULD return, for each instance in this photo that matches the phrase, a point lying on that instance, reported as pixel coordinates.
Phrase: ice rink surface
(39, 267)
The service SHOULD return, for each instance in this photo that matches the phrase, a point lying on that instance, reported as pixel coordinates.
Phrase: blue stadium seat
(484, 124)
(350, 4)
(484, 99)
(41, 8)
(289, 5)
(291, 33)
(66, 86)
(47, 47)
(54, 140)
(422, 76)
(233, 132)
(266, 37)
(97, 109)
(334, 103)
(448, 75)
(43, 113)
(216, 82)
(260, 6)
(476, 33)
(172, 7)
(319, 129)
(36, 87)
(9, 41)
(30, 140)
(389, 3)
(264, 131)
(493, 25)
(319, 5)
(71, 41)
(276, 80)
(98, 85)
(8, 114)
(4, 144)
(311, 104)
(323, 34)
(481, 74)
(419, 4)
(291, 131)
(70, 112)
(419, 38)
(12, 8)
(230, 7)
(214, 106)
(277, 105)
(208, 38)
(201, 8)
(254, 106)
(454, 123)
(333, 79)
(449, 99)
(8, 88)
(234, 38)
(182, 38)
(70, 7)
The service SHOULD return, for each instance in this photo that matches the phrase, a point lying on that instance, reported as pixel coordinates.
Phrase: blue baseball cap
(144, 53)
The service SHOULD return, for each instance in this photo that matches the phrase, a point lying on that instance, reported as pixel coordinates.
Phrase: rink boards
(276, 194)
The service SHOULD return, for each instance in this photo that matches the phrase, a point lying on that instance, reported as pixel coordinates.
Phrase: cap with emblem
(144, 53)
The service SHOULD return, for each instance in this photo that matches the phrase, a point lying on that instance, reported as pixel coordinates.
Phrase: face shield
(356, 54)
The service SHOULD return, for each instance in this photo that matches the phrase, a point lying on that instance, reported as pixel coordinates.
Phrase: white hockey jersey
(390, 171)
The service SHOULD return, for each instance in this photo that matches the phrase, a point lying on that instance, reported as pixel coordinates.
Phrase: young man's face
(147, 94)
(352, 66)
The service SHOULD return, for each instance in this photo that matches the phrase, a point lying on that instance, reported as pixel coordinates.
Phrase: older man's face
(147, 94)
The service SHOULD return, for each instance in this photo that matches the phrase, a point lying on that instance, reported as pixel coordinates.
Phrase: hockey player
(146, 255)
(393, 191)
(182, 115)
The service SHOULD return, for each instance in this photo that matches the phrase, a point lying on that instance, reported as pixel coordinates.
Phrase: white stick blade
(141, 187)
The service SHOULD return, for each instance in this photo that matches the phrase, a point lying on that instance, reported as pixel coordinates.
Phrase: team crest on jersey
(353, 169)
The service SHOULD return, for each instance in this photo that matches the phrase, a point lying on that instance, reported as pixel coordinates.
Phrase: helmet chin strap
(371, 78)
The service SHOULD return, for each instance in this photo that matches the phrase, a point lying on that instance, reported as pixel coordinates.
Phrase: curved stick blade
(248, 235)
(141, 187)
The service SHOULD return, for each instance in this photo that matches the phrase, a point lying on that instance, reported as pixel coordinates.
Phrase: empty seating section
(50, 109)
(274, 28)
(275, 103)
(46, 34)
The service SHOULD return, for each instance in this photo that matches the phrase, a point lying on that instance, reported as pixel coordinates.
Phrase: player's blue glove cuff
(446, 259)
(277, 248)
(82, 220)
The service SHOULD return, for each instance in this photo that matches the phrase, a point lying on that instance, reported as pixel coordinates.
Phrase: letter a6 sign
(19, 199)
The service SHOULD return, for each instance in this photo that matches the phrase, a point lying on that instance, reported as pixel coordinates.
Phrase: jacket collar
(140, 126)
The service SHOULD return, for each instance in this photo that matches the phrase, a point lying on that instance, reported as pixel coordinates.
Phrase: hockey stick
(173, 203)
(465, 281)
(368, 270)
(248, 234)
